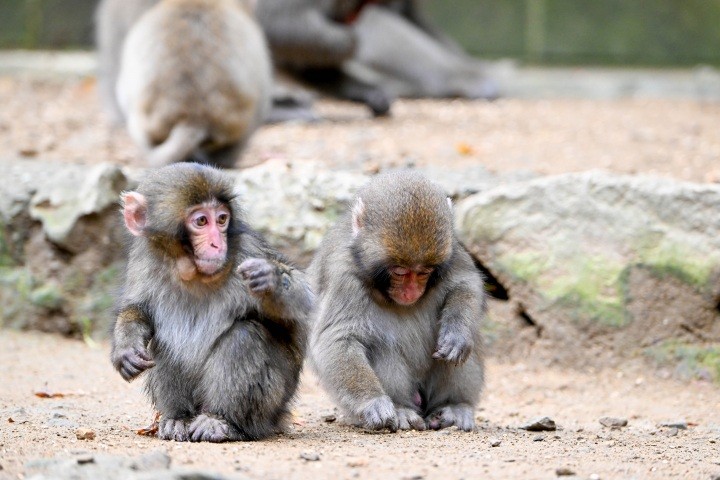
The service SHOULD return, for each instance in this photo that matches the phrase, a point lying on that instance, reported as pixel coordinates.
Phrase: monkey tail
(179, 146)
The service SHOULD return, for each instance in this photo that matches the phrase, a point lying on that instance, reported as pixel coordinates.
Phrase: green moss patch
(689, 266)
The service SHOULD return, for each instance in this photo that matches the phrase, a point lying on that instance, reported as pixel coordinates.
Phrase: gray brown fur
(386, 365)
(193, 79)
(222, 357)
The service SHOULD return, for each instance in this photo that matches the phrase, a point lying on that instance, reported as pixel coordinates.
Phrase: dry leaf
(152, 430)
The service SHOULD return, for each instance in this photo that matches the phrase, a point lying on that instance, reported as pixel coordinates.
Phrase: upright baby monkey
(396, 326)
(215, 317)
(194, 80)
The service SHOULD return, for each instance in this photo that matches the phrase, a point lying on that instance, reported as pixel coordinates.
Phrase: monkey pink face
(407, 285)
(207, 226)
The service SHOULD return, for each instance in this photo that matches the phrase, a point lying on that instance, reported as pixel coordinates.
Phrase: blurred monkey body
(396, 326)
(194, 79)
(209, 311)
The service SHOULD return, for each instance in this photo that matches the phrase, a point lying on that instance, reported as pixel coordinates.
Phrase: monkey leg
(452, 393)
(400, 384)
(171, 391)
(246, 385)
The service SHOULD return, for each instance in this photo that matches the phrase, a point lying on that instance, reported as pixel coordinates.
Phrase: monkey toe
(409, 419)
(173, 429)
(209, 429)
(458, 415)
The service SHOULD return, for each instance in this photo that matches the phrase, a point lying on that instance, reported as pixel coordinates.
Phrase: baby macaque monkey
(194, 81)
(396, 326)
(213, 315)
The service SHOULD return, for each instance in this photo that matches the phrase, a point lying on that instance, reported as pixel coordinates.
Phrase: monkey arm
(282, 290)
(131, 334)
(461, 314)
(292, 297)
(340, 357)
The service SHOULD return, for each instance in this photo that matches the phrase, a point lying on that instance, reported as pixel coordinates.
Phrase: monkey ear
(134, 212)
(358, 212)
(449, 202)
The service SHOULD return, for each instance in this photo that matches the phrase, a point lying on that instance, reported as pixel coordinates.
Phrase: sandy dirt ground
(63, 121)
(96, 398)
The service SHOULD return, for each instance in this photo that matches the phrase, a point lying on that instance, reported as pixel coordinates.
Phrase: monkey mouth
(209, 266)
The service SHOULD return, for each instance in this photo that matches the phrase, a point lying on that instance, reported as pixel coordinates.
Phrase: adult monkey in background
(195, 81)
(365, 50)
(396, 326)
(214, 315)
(311, 41)
(113, 21)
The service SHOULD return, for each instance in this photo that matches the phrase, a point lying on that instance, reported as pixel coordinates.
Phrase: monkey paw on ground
(209, 429)
(132, 361)
(259, 274)
(408, 419)
(173, 429)
(454, 345)
(459, 415)
(379, 413)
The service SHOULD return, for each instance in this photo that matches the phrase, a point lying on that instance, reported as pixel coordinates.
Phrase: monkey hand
(379, 413)
(260, 275)
(132, 361)
(454, 344)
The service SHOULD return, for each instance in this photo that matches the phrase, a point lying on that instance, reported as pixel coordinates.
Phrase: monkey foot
(379, 413)
(459, 415)
(209, 429)
(173, 429)
(409, 419)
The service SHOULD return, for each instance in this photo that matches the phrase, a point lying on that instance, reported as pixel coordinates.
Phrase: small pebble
(594, 476)
(357, 462)
(680, 424)
(85, 459)
(540, 424)
(310, 456)
(84, 434)
(564, 472)
(539, 438)
(329, 418)
(672, 432)
(495, 442)
(613, 422)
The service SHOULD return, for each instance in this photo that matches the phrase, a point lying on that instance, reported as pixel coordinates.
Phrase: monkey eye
(201, 221)
(399, 271)
(223, 218)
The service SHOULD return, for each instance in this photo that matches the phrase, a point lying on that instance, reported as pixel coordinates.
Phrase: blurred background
(555, 32)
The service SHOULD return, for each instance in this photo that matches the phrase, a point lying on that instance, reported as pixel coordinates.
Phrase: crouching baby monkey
(396, 326)
(215, 317)
(194, 81)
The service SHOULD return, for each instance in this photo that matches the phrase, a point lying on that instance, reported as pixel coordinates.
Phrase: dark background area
(607, 32)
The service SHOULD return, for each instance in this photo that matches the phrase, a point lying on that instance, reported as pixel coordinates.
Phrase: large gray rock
(604, 262)
(294, 204)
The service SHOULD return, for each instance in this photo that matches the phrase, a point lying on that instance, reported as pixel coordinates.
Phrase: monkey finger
(128, 373)
(141, 364)
(260, 286)
(144, 355)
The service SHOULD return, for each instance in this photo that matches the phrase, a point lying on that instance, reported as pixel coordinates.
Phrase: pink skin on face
(407, 285)
(208, 226)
